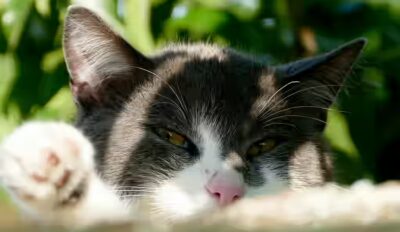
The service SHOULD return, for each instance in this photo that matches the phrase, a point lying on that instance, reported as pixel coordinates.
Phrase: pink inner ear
(83, 91)
(76, 62)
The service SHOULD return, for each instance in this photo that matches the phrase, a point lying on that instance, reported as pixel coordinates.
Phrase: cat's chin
(173, 204)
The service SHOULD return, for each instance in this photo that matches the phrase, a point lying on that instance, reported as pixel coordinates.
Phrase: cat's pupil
(173, 137)
(267, 145)
(176, 139)
(260, 148)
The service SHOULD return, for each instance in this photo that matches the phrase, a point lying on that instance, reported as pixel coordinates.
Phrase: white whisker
(297, 92)
(276, 92)
(281, 123)
(181, 104)
(299, 107)
(298, 116)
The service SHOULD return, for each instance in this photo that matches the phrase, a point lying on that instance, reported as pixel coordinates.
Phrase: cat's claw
(45, 166)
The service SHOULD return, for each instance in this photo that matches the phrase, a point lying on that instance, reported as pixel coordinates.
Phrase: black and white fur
(220, 99)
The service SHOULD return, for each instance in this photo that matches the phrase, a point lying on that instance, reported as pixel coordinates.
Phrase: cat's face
(197, 127)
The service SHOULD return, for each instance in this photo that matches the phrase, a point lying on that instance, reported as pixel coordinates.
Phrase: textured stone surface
(362, 204)
(362, 207)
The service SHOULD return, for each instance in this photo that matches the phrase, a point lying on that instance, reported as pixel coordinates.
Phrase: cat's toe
(66, 179)
(46, 163)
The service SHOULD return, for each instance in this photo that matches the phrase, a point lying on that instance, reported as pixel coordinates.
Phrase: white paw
(45, 166)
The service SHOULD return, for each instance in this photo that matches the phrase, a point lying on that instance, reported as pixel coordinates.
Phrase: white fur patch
(305, 167)
(211, 149)
(274, 183)
(185, 195)
(25, 154)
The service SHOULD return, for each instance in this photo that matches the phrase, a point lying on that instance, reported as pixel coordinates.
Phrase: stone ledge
(362, 207)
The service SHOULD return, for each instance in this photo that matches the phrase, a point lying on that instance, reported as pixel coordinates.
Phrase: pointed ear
(316, 81)
(311, 85)
(100, 62)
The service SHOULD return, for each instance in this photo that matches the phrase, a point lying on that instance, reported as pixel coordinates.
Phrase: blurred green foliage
(364, 133)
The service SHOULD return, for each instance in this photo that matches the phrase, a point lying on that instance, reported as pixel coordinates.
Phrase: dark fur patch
(244, 99)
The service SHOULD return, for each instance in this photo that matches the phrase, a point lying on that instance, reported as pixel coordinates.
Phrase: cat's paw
(45, 166)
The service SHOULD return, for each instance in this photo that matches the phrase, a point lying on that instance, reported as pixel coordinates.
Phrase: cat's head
(196, 127)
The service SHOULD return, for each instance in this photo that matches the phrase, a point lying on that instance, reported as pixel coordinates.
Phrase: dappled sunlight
(363, 127)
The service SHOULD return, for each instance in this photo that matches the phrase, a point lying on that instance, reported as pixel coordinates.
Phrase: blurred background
(364, 132)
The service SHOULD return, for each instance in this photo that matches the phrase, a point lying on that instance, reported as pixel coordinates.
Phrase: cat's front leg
(48, 168)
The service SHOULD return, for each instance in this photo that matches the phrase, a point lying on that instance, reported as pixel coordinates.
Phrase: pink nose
(225, 189)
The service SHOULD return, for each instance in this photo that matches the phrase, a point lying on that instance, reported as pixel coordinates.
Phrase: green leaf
(8, 74)
(60, 107)
(43, 7)
(338, 134)
(137, 24)
(14, 20)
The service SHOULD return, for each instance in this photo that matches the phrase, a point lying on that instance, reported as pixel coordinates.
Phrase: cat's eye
(262, 147)
(173, 137)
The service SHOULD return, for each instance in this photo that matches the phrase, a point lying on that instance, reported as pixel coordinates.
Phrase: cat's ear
(316, 81)
(100, 62)
(311, 85)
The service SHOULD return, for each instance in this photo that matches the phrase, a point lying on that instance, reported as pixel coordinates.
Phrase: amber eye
(262, 147)
(173, 137)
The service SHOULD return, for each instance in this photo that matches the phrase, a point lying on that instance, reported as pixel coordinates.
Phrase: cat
(175, 135)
